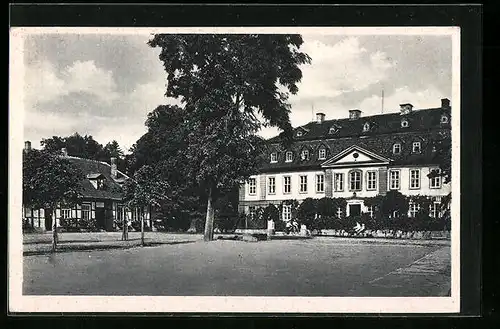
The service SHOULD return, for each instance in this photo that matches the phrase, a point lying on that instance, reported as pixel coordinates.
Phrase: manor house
(354, 158)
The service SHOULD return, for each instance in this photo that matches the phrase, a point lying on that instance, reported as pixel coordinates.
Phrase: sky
(104, 85)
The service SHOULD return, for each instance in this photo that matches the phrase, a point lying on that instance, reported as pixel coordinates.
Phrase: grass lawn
(315, 267)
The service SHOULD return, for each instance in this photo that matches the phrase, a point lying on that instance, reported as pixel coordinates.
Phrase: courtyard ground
(321, 266)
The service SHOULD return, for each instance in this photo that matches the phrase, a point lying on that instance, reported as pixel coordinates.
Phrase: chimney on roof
(354, 114)
(320, 117)
(114, 170)
(445, 103)
(27, 146)
(64, 152)
(406, 108)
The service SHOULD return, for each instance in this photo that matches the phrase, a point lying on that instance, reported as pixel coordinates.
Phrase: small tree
(271, 212)
(146, 188)
(49, 180)
(394, 205)
(307, 213)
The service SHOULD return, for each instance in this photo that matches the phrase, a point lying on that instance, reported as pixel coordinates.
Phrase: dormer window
(299, 133)
(404, 123)
(322, 154)
(304, 155)
(444, 119)
(274, 157)
(97, 180)
(366, 127)
(416, 147)
(333, 130)
(289, 156)
(396, 148)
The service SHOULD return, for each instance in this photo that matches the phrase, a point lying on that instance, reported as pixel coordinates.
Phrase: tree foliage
(49, 180)
(86, 147)
(224, 83)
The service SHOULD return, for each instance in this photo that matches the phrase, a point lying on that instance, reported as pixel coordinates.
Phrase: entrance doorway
(48, 219)
(354, 210)
(100, 218)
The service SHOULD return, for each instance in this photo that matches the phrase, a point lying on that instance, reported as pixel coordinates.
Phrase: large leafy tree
(224, 83)
(49, 180)
(86, 147)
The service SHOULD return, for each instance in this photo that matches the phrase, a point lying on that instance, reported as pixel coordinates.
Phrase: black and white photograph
(293, 169)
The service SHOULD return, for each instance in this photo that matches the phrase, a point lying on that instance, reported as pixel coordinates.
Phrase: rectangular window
(287, 184)
(65, 213)
(287, 212)
(394, 180)
(252, 186)
(303, 184)
(434, 209)
(289, 156)
(416, 147)
(251, 211)
(339, 212)
(274, 157)
(369, 210)
(322, 154)
(371, 180)
(320, 183)
(413, 209)
(339, 182)
(271, 186)
(435, 182)
(414, 179)
(85, 211)
(355, 181)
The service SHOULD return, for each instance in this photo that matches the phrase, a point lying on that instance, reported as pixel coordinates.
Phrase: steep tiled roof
(385, 130)
(93, 169)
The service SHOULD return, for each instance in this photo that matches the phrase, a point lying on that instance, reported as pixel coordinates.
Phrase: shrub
(279, 225)
(89, 225)
(331, 223)
(271, 212)
(306, 213)
(227, 224)
(70, 224)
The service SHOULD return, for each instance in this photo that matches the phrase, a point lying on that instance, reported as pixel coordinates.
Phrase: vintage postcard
(240, 170)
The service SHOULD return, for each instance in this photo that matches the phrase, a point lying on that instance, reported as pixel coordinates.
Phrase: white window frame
(252, 210)
(287, 212)
(359, 174)
(339, 212)
(86, 211)
(374, 180)
(271, 185)
(413, 209)
(322, 153)
(404, 123)
(299, 133)
(303, 184)
(65, 213)
(435, 182)
(444, 119)
(434, 210)
(338, 182)
(252, 186)
(390, 180)
(398, 145)
(289, 156)
(304, 155)
(274, 157)
(320, 183)
(416, 147)
(366, 127)
(369, 210)
(332, 130)
(285, 190)
(413, 180)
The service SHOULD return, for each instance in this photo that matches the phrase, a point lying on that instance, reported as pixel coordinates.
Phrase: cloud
(342, 67)
(44, 84)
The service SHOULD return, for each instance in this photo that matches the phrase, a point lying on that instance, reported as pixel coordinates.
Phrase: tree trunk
(54, 231)
(142, 228)
(125, 226)
(209, 222)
